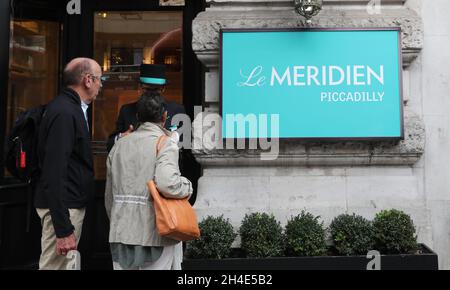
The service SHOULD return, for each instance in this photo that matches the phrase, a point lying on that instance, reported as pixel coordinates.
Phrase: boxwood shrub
(217, 236)
(352, 234)
(261, 235)
(394, 232)
(305, 236)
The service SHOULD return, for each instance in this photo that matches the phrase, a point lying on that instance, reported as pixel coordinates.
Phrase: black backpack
(21, 145)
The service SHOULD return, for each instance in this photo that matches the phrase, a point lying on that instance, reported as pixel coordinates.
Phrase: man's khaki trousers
(49, 260)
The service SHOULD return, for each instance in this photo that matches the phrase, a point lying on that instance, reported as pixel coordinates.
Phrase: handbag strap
(160, 143)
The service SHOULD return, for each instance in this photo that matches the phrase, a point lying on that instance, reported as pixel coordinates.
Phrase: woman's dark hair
(150, 107)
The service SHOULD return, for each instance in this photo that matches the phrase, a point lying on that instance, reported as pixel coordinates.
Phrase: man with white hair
(66, 165)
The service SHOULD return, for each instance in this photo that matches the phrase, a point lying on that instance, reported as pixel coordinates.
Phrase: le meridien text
(357, 75)
(322, 76)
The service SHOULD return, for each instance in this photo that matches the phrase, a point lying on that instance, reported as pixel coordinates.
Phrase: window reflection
(122, 41)
(33, 78)
(33, 66)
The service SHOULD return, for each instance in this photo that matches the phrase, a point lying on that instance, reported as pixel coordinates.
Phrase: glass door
(32, 79)
(123, 40)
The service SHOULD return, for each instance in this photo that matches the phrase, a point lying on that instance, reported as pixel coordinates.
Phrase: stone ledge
(301, 153)
(309, 160)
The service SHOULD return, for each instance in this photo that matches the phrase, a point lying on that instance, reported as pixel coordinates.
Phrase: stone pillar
(320, 177)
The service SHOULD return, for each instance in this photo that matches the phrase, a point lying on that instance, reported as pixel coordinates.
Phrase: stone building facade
(329, 179)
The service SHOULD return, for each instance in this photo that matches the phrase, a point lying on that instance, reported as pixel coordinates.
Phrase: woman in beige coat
(132, 162)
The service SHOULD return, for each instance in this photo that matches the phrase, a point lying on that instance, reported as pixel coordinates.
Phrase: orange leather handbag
(175, 218)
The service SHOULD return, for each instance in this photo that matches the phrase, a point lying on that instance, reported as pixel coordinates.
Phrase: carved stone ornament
(281, 14)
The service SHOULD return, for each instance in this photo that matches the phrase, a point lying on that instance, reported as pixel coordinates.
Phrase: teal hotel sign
(337, 84)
